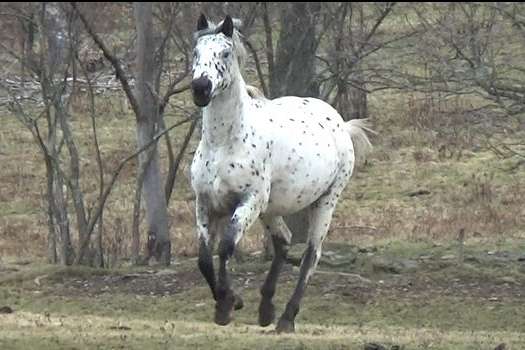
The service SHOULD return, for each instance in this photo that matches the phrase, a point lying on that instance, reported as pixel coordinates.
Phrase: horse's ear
(202, 23)
(227, 26)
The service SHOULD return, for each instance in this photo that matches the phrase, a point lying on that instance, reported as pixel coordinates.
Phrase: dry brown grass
(422, 145)
(430, 176)
(64, 331)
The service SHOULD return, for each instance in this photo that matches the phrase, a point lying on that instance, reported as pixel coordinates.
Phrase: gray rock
(6, 310)
(472, 259)
(409, 264)
(448, 257)
(384, 264)
(374, 346)
(342, 257)
(509, 279)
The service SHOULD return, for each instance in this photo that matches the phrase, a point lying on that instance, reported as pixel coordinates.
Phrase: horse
(261, 158)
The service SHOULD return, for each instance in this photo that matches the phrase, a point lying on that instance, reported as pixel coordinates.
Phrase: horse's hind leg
(320, 217)
(281, 238)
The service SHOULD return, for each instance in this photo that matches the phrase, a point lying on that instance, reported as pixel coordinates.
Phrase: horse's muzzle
(201, 89)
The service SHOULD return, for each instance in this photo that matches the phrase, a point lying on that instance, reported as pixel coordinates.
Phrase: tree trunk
(294, 66)
(357, 97)
(355, 94)
(98, 260)
(147, 124)
(352, 100)
(51, 234)
(66, 252)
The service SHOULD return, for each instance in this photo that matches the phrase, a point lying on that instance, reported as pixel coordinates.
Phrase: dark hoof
(266, 313)
(285, 326)
(224, 310)
(222, 315)
(223, 319)
(239, 304)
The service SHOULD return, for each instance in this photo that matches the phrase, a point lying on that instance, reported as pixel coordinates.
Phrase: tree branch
(99, 208)
(121, 75)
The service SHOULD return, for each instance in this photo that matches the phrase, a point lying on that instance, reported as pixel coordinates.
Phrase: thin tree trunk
(135, 233)
(147, 122)
(52, 257)
(99, 249)
(66, 253)
(357, 97)
(294, 66)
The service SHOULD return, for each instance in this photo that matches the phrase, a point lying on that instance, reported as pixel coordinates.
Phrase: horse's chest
(225, 179)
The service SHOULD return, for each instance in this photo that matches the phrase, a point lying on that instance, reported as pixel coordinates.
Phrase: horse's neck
(222, 120)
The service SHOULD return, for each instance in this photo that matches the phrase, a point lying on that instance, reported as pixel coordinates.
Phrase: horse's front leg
(205, 250)
(243, 217)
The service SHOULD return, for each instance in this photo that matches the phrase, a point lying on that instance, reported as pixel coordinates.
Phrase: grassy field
(409, 295)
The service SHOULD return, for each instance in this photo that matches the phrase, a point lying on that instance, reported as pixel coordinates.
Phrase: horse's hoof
(266, 313)
(239, 304)
(224, 310)
(223, 314)
(222, 319)
(285, 326)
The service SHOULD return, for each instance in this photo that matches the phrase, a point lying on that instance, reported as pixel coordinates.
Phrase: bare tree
(467, 50)
(56, 64)
(52, 65)
(355, 36)
(149, 106)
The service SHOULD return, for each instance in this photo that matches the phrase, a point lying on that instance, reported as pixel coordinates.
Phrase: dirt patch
(154, 283)
(413, 286)
(493, 278)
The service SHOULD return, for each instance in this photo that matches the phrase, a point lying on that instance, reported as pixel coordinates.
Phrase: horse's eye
(226, 54)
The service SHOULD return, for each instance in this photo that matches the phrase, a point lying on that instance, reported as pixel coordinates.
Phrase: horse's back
(310, 147)
(311, 121)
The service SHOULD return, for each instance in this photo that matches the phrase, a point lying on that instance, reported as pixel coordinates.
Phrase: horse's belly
(282, 204)
(293, 193)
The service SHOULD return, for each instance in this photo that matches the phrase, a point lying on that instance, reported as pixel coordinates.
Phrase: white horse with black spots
(265, 159)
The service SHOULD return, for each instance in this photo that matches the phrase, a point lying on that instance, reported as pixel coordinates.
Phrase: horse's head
(216, 58)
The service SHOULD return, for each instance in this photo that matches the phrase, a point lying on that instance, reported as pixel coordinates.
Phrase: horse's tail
(357, 129)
